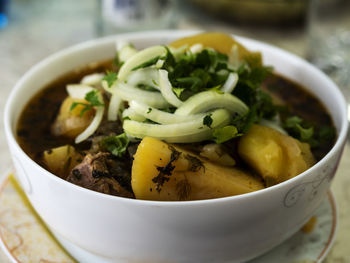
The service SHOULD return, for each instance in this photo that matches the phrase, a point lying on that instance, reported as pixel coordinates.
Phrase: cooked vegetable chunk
(71, 122)
(275, 156)
(61, 160)
(220, 42)
(167, 173)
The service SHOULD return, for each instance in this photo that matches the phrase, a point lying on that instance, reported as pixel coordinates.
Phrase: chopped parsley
(192, 73)
(208, 120)
(178, 91)
(111, 77)
(224, 134)
(217, 89)
(147, 63)
(248, 89)
(166, 171)
(300, 129)
(297, 126)
(116, 145)
(306, 132)
(155, 82)
(93, 101)
(93, 98)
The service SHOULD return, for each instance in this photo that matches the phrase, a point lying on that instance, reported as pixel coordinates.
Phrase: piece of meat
(109, 128)
(102, 172)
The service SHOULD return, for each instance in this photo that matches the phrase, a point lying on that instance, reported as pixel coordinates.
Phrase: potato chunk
(61, 160)
(222, 43)
(275, 156)
(70, 123)
(167, 173)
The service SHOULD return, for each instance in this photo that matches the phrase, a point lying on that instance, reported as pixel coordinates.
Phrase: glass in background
(117, 16)
(329, 40)
(4, 13)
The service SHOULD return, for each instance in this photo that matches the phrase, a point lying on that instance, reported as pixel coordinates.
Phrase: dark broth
(33, 129)
(34, 125)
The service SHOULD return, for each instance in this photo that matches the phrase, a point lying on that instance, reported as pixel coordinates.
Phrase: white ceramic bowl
(231, 229)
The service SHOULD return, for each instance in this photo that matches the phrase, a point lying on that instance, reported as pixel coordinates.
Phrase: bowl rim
(173, 34)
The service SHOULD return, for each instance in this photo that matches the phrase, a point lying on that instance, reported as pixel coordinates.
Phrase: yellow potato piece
(275, 156)
(222, 43)
(61, 160)
(69, 123)
(190, 177)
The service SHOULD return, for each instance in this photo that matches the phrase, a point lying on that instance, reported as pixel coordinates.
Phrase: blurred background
(318, 30)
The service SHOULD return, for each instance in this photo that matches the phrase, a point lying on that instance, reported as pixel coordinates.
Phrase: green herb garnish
(208, 120)
(224, 134)
(147, 63)
(299, 129)
(192, 73)
(217, 89)
(111, 77)
(116, 145)
(93, 101)
(166, 171)
(93, 98)
(178, 91)
(155, 82)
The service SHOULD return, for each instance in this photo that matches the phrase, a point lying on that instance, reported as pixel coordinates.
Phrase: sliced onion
(120, 44)
(208, 100)
(160, 63)
(178, 51)
(139, 58)
(93, 125)
(78, 91)
(105, 86)
(129, 93)
(159, 116)
(125, 52)
(230, 83)
(113, 108)
(233, 58)
(147, 76)
(92, 79)
(133, 115)
(186, 132)
(167, 90)
(196, 48)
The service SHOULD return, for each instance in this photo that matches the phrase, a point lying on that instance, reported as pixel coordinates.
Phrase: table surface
(39, 28)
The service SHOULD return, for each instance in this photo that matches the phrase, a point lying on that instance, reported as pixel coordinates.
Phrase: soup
(247, 151)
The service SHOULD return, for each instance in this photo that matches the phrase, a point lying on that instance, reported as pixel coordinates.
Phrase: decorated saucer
(25, 238)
